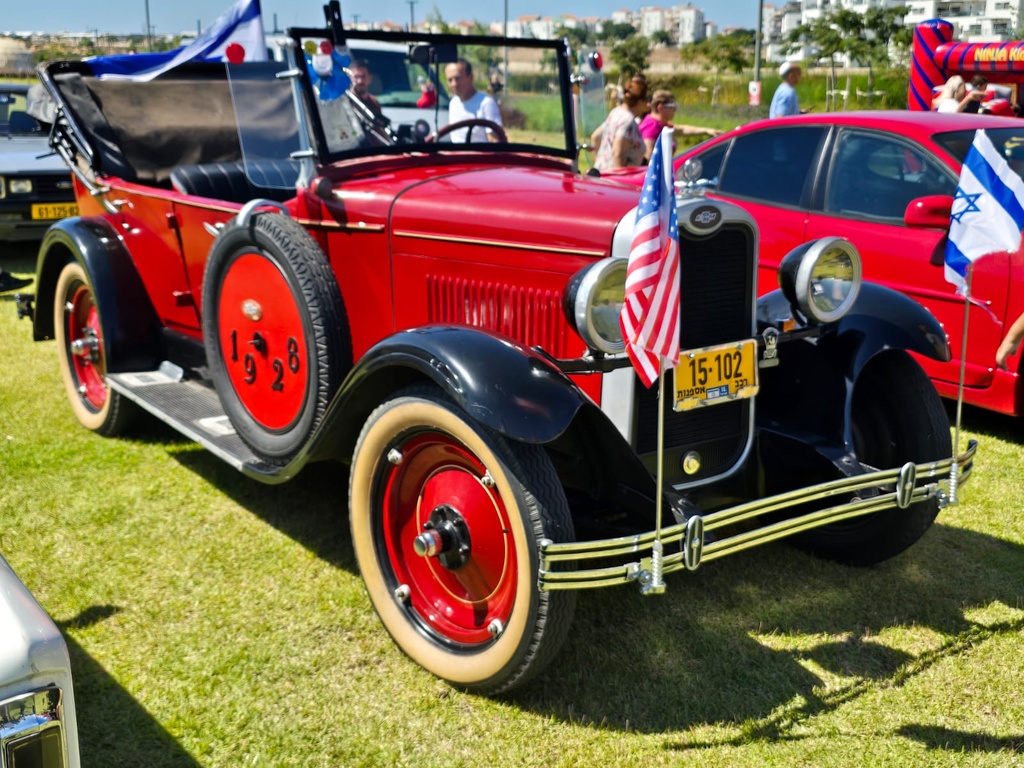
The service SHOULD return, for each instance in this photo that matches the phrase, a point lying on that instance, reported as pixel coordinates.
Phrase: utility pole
(758, 31)
(412, 13)
(149, 31)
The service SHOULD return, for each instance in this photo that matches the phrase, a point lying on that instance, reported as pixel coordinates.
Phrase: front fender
(131, 328)
(798, 403)
(507, 387)
(880, 318)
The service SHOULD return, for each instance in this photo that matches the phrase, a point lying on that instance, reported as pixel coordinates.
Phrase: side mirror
(931, 212)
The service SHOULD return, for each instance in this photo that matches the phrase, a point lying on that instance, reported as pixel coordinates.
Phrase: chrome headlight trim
(28, 720)
(596, 317)
(20, 186)
(822, 278)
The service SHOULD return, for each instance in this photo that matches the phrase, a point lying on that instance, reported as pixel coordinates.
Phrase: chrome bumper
(890, 489)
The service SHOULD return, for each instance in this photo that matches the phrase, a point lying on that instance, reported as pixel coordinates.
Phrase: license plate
(54, 210)
(713, 375)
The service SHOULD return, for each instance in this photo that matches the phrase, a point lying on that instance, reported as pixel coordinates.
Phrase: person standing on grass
(784, 100)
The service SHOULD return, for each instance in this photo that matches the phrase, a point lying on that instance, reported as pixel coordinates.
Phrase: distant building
(15, 57)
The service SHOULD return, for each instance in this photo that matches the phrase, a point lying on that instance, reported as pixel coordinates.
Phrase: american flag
(650, 312)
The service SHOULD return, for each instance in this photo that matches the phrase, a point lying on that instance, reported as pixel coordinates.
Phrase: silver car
(37, 704)
(35, 185)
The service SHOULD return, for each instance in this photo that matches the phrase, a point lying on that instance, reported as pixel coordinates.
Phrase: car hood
(29, 154)
(539, 209)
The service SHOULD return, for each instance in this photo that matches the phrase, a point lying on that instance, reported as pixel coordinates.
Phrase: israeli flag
(235, 36)
(988, 210)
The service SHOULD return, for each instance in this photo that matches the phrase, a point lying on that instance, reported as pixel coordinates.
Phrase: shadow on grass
(112, 727)
(939, 738)
(706, 652)
(311, 509)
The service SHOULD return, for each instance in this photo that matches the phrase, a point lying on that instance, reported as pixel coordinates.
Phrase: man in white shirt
(467, 103)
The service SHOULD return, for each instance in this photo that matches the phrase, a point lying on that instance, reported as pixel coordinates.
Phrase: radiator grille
(531, 316)
(716, 306)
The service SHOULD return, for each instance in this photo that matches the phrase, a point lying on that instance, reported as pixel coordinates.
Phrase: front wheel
(83, 356)
(447, 518)
(897, 417)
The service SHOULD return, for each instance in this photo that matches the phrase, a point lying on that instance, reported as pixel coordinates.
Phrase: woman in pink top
(663, 109)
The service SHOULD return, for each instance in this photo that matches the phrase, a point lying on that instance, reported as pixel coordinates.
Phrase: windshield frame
(560, 48)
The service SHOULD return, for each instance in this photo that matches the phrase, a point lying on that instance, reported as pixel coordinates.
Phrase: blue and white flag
(988, 210)
(235, 36)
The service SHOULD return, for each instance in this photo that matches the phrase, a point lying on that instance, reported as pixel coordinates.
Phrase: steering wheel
(473, 122)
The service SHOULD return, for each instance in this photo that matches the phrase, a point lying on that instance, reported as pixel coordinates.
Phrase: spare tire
(275, 331)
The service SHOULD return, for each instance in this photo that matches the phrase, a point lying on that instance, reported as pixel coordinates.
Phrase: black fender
(806, 402)
(131, 328)
(513, 390)
(509, 388)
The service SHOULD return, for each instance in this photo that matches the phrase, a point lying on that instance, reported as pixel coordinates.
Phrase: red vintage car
(885, 181)
(288, 277)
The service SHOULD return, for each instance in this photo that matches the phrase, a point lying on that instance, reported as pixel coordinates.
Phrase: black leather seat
(233, 182)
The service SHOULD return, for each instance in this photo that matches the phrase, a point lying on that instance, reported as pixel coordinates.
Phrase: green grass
(214, 621)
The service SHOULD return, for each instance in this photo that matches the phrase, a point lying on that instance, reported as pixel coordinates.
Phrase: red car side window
(773, 165)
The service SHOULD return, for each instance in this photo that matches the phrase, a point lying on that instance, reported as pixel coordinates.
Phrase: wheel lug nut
(428, 544)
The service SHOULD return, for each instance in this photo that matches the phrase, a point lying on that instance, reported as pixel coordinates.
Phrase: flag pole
(657, 583)
(954, 471)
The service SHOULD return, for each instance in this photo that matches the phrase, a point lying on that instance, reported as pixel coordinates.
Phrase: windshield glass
(1009, 142)
(396, 93)
(14, 117)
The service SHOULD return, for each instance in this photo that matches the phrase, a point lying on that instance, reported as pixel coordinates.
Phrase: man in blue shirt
(785, 102)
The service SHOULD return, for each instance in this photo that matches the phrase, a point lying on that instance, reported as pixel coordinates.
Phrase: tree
(612, 32)
(720, 53)
(661, 37)
(437, 23)
(864, 38)
(632, 56)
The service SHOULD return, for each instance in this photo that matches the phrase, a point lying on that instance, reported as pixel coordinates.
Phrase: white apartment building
(974, 21)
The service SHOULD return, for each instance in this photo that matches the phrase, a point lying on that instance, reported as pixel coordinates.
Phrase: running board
(194, 410)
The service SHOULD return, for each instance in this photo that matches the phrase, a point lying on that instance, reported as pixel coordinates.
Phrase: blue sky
(175, 16)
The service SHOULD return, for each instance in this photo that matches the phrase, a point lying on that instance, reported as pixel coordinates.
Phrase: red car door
(872, 177)
(771, 174)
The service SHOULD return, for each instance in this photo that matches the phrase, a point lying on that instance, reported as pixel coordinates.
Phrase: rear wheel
(447, 518)
(83, 356)
(897, 417)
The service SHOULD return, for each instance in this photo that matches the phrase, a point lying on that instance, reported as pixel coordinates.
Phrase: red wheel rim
(263, 341)
(85, 347)
(458, 604)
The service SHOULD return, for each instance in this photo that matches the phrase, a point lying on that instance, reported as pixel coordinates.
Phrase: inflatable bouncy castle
(935, 58)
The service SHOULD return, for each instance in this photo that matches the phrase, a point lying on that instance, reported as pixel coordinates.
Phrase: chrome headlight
(20, 186)
(593, 300)
(822, 278)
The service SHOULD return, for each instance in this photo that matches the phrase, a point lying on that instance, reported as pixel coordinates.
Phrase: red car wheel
(446, 523)
(83, 357)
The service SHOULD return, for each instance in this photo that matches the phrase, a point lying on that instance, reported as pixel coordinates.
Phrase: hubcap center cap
(445, 536)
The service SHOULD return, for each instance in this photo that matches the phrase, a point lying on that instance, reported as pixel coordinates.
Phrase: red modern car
(286, 277)
(885, 181)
